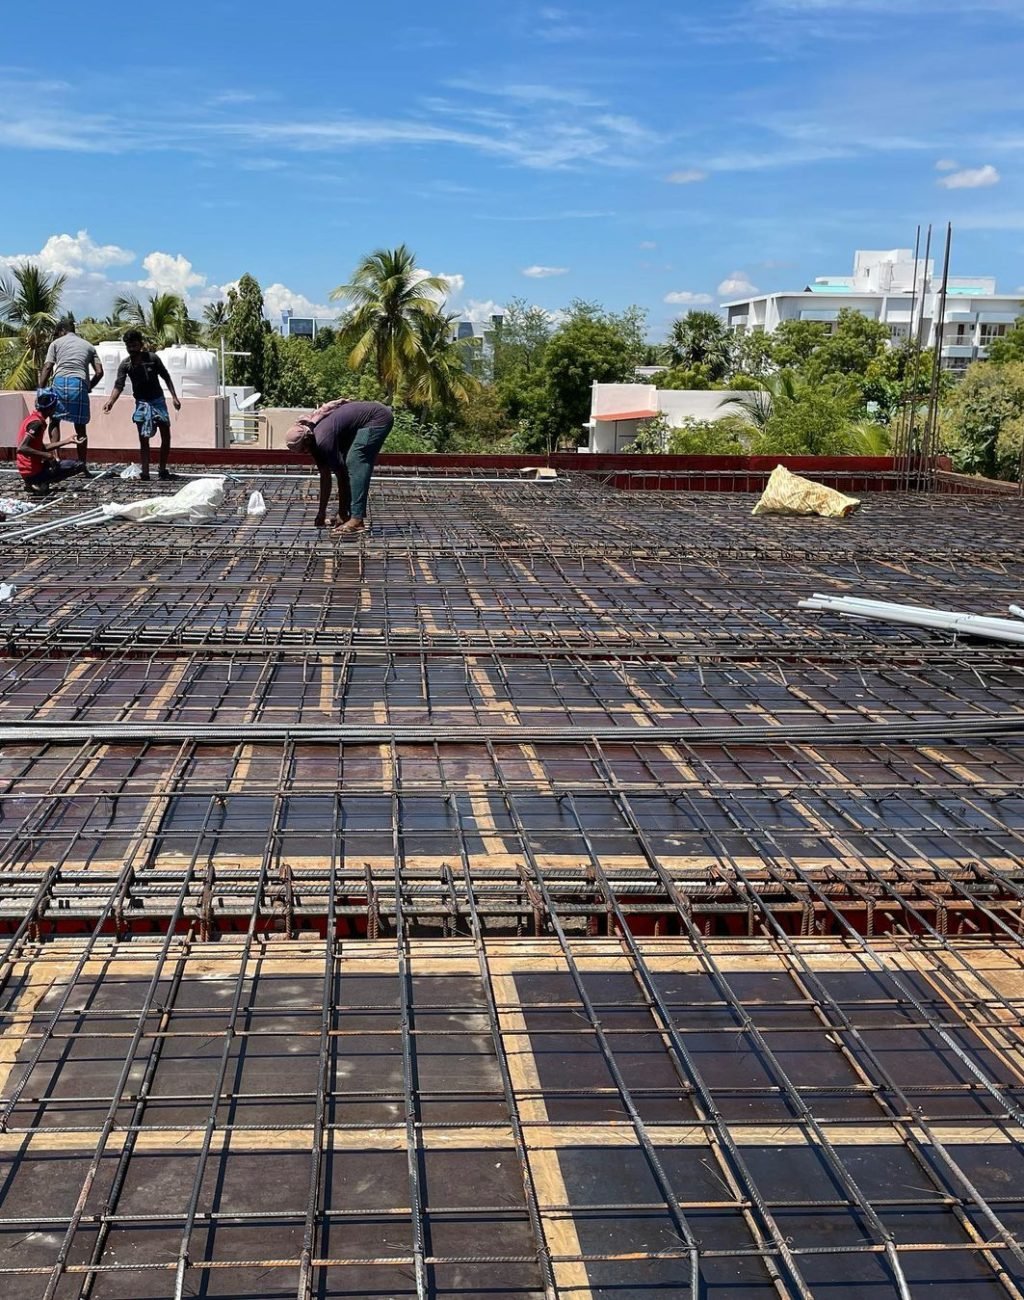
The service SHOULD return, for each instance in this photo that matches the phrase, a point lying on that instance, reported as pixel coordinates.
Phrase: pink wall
(201, 422)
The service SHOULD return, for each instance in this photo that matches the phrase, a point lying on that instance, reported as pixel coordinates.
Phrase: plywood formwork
(524, 900)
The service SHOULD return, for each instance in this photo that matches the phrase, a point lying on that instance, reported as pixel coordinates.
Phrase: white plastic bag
(11, 508)
(7, 590)
(196, 503)
(256, 506)
(133, 471)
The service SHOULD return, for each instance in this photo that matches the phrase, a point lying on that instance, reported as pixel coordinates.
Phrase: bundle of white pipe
(996, 629)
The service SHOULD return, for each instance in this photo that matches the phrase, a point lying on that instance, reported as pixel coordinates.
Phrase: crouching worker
(344, 438)
(146, 370)
(37, 461)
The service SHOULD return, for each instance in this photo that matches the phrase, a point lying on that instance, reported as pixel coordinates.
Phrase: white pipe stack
(995, 629)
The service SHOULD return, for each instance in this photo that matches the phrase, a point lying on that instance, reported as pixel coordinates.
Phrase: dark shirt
(145, 372)
(335, 432)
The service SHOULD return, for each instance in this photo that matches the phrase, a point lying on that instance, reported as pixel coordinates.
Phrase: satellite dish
(246, 402)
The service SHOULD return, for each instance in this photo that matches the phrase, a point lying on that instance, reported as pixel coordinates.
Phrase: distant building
(304, 327)
(618, 410)
(882, 288)
(476, 341)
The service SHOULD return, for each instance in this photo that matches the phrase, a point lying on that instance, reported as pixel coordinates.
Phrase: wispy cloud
(528, 93)
(971, 178)
(687, 176)
(544, 272)
(604, 141)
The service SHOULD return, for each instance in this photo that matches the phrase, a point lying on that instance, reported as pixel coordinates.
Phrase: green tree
(850, 349)
(440, 381)
(752, 354)
(756, 406)
(984, 422)
(247, 332)
(794, 342)
(296, 379)
(389, 297)
(481, 423)
(701, 339)
(681, 379)
(586, 350)
(215, 322)
(815, 422)
(163, 320)
(520, 341)
(899, 376)
(728, 436)
(29, 311)
(1010, 347)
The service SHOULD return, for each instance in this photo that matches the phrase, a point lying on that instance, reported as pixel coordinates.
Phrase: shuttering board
(523, 900)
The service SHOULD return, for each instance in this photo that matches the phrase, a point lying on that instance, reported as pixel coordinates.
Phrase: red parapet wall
(625, 472)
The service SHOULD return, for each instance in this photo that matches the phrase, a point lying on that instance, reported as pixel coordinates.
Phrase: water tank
(195, 371)
(111, 355)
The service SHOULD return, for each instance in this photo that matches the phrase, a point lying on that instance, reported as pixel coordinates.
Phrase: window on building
(989, 333)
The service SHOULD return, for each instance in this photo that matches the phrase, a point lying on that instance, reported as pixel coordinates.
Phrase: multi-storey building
(889, 286)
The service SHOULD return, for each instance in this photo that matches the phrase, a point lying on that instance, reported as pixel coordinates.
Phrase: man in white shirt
(68, 363)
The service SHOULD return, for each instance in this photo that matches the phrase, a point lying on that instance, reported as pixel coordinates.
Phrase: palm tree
(441, 380)
(756, 405)
(215, 320)
(389, 298)
(164, 321)
(700, 338)
(29, 311)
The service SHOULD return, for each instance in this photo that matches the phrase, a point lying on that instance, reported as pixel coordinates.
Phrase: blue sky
(664, 153)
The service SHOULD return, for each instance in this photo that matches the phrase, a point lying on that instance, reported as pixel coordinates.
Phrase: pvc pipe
(998, 629)
(38, 530)
(885, 609)
(1017, 611)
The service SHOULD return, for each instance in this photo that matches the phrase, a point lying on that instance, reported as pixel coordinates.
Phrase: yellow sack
(789, 494)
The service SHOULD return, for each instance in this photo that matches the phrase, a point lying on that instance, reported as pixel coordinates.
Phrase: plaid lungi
(72, 399)
(148, 415)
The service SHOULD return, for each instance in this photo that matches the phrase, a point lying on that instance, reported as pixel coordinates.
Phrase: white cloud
(278, 297)
(971, 178)
(544, 272)
(736, 285)
(167, 274)
(683, 297)
(456, 283)
(946, 165)
(688, 176)
(481, 310)
(647, 244)
(72, 255)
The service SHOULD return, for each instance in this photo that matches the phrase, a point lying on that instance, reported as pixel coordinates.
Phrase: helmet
(46, 399)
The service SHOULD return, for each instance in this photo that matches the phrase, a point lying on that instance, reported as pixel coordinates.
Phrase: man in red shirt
(38, 463)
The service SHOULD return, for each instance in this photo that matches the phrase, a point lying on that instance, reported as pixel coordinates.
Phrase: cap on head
(46, 399)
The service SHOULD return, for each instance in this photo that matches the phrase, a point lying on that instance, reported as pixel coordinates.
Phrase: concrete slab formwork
(523, 900)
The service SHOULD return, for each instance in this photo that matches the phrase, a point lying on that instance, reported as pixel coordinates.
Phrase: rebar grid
(523, 901)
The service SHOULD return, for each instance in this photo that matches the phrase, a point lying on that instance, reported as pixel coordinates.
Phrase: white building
(617, 410)
(882, 288)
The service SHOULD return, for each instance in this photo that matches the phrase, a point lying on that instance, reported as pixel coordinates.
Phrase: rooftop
(525, 900)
